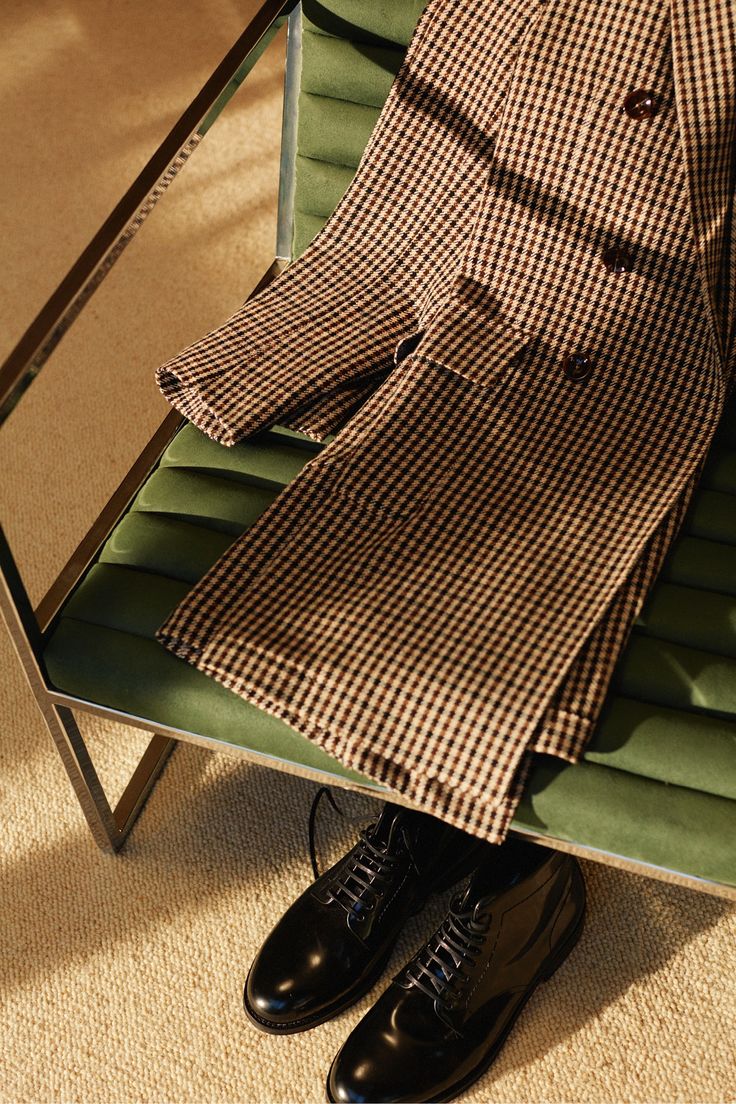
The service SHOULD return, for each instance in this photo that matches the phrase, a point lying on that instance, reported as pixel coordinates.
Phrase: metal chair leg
(141, 783)
(65, 733)
(108, 826)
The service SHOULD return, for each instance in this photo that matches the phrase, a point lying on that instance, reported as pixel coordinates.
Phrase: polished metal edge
(141, 783)
(25, 638)
(632, 866)
(584, 851)
(286, 766)
(289, 126)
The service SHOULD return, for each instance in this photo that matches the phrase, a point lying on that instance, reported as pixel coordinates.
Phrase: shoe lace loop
(323, 791)
(439, 968)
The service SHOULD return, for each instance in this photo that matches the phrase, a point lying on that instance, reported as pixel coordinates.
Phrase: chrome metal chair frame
(28, 626)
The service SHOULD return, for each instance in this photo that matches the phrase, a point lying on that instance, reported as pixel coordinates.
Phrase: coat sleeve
(301, 352)
(315, 341)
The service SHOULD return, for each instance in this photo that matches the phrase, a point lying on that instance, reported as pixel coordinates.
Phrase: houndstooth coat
(519, 322)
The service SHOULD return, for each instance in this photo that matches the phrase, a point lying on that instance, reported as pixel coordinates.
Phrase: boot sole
(544, 975)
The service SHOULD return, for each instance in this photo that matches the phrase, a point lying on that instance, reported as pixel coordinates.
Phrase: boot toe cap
(377, 1066)
(269, 1005)
(280, 999)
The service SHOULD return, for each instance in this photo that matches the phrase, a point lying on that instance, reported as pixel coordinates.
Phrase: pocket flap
(471, 336)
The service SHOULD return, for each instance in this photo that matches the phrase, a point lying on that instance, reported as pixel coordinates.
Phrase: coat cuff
(227, 393)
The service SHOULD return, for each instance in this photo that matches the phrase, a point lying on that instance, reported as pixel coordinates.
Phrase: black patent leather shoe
(446, 1015)
(333, 943)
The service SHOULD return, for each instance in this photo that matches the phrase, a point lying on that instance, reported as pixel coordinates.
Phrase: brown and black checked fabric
(336, 314)
(445, 589)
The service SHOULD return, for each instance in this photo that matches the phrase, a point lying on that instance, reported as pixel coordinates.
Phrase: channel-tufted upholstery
(658, 782)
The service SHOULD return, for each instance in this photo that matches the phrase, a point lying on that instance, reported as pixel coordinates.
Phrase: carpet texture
(120, 978)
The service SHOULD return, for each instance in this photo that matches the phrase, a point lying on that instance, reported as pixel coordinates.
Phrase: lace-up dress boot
(445, 1016)
(333, 943)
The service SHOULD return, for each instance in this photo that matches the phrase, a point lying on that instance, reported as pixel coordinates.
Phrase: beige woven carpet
(121, 977)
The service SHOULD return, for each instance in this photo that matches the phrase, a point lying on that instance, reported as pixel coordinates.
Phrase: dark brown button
(577, 366)
(641, 104)
(617, 258)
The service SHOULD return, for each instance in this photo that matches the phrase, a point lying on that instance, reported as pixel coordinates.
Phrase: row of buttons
(641, 103)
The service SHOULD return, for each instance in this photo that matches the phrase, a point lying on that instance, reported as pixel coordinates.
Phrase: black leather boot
(333, 943)
(446, 1015)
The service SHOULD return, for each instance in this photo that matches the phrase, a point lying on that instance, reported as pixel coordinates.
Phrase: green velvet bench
(656, 792)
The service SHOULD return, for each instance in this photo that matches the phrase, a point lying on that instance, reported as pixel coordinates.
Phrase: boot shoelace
(438, 968)
(367, 872)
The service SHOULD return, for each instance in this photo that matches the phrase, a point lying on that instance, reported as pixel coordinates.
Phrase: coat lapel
(704, 62)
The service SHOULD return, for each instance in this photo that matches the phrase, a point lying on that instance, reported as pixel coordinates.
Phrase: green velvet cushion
(658, 781)
(351, 53)
(348, 71)
(667, 735)
(380, 23)
(138, 676)
(619, 814)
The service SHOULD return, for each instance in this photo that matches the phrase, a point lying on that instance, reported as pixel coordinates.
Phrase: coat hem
(458, 804)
